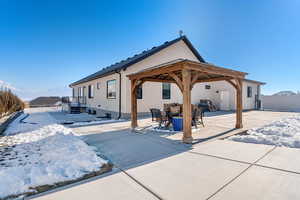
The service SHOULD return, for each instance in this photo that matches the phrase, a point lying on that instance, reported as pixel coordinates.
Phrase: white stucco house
(108, 90)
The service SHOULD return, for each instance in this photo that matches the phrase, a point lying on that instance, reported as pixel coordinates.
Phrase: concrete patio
(151, 165)
(217, 125)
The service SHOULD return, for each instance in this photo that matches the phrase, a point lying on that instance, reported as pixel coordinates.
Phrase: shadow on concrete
(127, 149)
(215, 136)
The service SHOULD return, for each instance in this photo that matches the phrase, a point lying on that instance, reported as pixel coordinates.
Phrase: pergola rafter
(177, 80)
(185, 74)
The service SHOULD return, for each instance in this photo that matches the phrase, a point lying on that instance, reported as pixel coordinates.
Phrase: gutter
(120, 94)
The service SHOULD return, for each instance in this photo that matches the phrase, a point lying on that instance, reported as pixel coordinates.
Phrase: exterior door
(224, 96)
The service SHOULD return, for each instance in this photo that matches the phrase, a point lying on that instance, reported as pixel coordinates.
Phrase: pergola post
(187, 108)
(133, 105)
(239, 103)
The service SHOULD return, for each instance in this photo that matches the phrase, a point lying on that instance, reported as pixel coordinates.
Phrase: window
(111, 89)
(91, 91)
(166, 91)
(139, 92)
(249, 92)
(207, 87)
(73, 92)
(98, 86)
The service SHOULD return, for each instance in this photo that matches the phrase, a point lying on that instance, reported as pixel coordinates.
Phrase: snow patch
(46, 155)
(285, 132)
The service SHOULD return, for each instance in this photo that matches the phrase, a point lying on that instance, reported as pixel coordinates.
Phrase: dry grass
(9, 103)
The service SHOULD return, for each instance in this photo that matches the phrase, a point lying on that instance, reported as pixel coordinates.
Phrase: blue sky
(46, 45)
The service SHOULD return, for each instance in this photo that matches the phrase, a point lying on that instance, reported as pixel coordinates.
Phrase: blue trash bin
(177, 123)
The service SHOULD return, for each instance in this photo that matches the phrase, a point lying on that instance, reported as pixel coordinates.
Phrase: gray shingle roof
(136, 58)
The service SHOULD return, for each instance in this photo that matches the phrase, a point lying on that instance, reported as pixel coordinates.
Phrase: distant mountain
(45, 101)
(285, 93)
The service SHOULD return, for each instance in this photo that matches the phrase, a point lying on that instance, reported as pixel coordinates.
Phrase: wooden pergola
(185, 74)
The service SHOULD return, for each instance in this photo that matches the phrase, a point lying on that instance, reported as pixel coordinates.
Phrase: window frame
(249, 92)
(169, 96)
(91, 91)
(115, 88)
(139, 88)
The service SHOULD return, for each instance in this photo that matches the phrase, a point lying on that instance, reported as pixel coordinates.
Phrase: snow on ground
(285, 132)
(30, 123)
(37, 118)
(42, 154)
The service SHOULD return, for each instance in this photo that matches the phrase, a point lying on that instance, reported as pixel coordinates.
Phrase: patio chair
(172, 110)
(197, 116)
(207, 105)
(158, 117)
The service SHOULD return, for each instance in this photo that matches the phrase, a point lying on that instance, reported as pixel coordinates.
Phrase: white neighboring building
(108, 90)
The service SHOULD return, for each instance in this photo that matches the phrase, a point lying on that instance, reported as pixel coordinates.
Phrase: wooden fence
(281, 103)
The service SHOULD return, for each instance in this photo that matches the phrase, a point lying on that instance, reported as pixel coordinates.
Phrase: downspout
(259, 104)
(120, 94)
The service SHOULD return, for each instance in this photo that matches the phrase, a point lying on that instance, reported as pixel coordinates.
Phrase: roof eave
(257, 82)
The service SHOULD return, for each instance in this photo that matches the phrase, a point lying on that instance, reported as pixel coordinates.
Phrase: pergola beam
(192, 81)
(209, 66)
(214, 79)
(214, 70)
(155, 71)
(195, 66)
(158, 80)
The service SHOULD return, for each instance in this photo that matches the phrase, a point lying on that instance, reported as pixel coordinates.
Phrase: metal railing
(74, 100)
